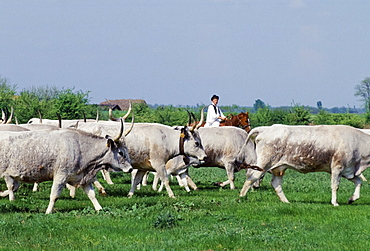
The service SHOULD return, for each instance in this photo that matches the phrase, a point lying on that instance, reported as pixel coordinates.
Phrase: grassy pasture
(212, 218)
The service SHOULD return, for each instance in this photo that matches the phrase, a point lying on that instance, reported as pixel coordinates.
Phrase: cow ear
(110, 141)
(184, 132)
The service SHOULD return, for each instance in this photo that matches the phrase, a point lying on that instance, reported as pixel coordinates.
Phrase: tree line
(72, 104)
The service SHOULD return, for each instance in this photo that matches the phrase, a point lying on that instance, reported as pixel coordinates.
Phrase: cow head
(118, 153)
(190, 143)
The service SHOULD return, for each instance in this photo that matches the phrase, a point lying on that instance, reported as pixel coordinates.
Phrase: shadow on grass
(326, 202)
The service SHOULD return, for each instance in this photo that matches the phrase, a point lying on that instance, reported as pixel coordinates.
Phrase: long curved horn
(128, 112)
(11, 116)
(40, 116)
(84, 116)
(189, 121)
(60, 120)
(194, 123)
(131, 126)
(97, 115)
(116, 139)
(201, 119)
(3, 116)
(111, 117)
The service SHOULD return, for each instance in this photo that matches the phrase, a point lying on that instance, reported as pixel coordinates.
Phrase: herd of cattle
(71, 153)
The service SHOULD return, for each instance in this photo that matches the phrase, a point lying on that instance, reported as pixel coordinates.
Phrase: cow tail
(252, 136)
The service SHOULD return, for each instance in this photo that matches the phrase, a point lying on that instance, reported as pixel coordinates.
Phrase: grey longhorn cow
(63, 156)
(151, 145)
(222, 146)
(339, 150)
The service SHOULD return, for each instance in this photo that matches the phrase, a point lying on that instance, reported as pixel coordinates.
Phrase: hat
(214, 97)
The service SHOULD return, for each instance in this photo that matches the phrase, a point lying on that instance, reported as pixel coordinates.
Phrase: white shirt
(213, 113)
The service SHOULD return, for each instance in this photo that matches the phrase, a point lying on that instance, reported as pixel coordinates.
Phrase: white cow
(339, 150)
(64, 156)
(151, 145)
(222, 146)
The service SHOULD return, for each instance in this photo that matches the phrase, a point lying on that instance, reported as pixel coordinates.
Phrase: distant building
(121, 104)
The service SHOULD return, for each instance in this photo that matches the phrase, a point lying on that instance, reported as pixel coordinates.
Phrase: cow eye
(120, 153)
(197, 144)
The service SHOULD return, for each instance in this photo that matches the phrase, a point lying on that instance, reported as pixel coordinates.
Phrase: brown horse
(241, 120)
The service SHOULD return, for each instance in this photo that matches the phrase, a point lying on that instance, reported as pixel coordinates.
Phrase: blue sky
(181, 52)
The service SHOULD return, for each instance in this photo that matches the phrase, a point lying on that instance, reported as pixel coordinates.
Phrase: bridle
(243, 126)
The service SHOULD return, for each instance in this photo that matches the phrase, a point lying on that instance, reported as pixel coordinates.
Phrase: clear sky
(181, 52)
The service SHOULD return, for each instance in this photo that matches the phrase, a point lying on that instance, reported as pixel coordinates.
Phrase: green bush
(165, 220)
(297, 115)
(326, 118)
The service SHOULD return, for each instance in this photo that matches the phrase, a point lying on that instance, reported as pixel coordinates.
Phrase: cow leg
(160, 189)
(256, 184)
(106, 177)
(181, 184)
(89, 190)
(155, 182)
(163, 185)
(12, 186)
(166, 182)
(144, 182)
(56, 189)
(363, 177)
(277, 181)
(356, 195)
(230, 175)
(163, 176)
(99, 187)
(251, 178)
(335, 180)
(72, 190)
(4, 193)
(184, 181)
(136, 177)
(191, 182)
(35, 187)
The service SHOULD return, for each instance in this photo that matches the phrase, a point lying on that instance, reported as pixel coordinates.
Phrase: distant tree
(261, 118)
(319, 105)
(170, 115)
(70, 104)
(299, 115)
(363, 92)
(7, 94)
(34, 101)
(258, 104)
(324, 118)
(143, 113)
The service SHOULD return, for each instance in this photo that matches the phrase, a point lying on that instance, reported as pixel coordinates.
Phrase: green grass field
(211, 218)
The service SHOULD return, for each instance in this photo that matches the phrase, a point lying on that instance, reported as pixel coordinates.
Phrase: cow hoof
(219, 184)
